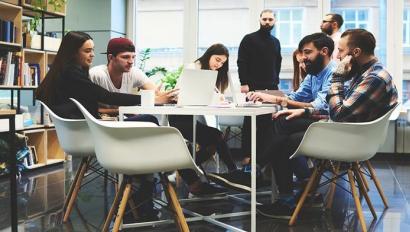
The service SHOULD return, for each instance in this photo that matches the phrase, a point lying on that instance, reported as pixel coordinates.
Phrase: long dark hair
(298, 73)
(66, 55)
(217, 49)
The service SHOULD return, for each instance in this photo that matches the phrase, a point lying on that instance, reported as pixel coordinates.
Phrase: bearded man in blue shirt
(316, 50)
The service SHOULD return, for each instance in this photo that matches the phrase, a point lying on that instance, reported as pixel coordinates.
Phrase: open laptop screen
(196, 87)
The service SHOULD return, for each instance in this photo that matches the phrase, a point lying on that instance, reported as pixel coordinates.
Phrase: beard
(327, 30)
(266, 28)
(314, 67)
(354, 70)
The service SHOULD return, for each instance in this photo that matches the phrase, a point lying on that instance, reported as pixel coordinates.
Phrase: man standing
(259, 62)
(120, 75)
(371, 93)
(331, 25)
(259, 58)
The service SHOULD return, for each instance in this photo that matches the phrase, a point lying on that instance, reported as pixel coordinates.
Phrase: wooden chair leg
(114, 207)
(76, 189)
(302, 199)
(332, 188)
(365, 183)
(377, 183)
(356, 200)
(174, 204)
(123, 204)
(363, 189)
(73, 184)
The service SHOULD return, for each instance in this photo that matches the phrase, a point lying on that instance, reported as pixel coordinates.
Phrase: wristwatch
(307, 112)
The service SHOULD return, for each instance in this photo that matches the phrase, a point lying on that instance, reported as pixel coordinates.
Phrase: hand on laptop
(263, 97)
(170, 96)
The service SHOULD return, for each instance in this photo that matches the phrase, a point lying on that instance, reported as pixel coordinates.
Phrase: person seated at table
(209, 138)
(68, 78)
(316, 50)
(121, 76)
(371, 93)
(299, 69)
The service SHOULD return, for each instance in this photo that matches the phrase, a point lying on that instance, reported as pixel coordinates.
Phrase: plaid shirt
(370, 95)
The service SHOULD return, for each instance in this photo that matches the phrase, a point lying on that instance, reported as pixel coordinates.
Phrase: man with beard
(259, 58)
(331, 25)
(259, 62)
(316, 50)
(371, 93)
(120, 75)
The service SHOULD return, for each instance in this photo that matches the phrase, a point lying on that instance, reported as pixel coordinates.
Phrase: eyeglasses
(267, 19)
(327, 21)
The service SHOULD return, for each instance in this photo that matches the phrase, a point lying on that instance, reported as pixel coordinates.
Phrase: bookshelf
(29, 62)
(12, 14)
(32, 58)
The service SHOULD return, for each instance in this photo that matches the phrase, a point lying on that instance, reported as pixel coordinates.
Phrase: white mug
(147, 98)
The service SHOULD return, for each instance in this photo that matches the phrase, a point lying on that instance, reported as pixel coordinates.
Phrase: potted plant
(169, 78)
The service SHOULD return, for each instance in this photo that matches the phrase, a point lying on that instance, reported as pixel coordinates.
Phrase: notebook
(196, 87)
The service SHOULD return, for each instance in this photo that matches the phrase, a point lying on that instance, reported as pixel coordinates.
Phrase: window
(406, 27)
(159, 28)
(225, 22)
(288, 27)
(354, 18)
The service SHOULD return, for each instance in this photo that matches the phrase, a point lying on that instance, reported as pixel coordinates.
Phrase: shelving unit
(43, 138)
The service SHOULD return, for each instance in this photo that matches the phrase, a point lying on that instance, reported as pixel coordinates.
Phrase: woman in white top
(209, 138)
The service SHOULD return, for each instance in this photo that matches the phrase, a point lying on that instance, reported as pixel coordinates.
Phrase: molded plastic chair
(132, 148)
(75, 139)
(344, 142)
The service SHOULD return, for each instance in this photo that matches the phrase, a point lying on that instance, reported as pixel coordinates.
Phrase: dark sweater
(74, 83)
(259, 61)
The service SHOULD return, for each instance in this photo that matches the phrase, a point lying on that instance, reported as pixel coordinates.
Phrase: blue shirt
(314, 88)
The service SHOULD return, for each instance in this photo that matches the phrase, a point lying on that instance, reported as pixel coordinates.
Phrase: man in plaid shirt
(371, 94)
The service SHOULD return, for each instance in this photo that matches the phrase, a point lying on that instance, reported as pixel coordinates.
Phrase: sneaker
(236, 180)
(205, 189)
(277, 210)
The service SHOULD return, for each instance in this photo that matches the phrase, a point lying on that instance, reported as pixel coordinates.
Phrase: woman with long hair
(68, 78)
(210, 139)
(299, 72)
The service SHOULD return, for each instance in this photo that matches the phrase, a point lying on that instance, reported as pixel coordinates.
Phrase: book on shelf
(8, 31)
(31, 74)
(10, 68)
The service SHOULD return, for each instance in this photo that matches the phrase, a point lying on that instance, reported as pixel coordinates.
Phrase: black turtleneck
(259, 60)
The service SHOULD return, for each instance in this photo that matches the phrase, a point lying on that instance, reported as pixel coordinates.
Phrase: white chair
(132, 148)
(344, 142)
(75, 139)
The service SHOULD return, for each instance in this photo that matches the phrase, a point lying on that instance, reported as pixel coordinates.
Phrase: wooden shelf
(12, 13)
(32, 56)
(16, 87)
(48, 10)
(54, 150)
(14, 2)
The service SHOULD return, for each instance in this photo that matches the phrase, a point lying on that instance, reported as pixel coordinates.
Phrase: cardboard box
(4, 123)
(50, 43)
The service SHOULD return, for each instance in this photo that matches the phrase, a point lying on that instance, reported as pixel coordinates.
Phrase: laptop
(196, 87)
(236, 93)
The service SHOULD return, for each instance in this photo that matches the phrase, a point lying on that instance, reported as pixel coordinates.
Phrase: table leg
(194, 137)
(253, 173)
